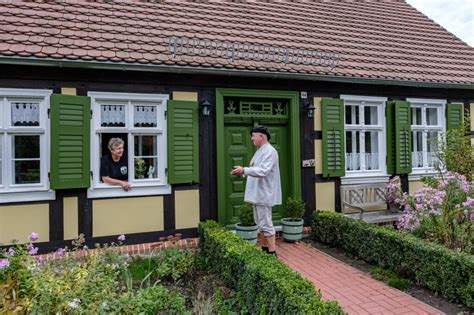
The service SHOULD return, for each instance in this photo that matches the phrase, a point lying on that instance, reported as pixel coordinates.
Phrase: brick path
(355, 291)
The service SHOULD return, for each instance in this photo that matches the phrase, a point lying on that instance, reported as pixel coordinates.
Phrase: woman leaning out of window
(114, 166)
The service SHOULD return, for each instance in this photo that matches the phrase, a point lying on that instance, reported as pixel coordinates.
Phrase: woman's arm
(112, 181)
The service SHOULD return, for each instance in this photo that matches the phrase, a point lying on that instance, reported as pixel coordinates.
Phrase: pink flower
(32, 250)
(121, 238)
(33, 237)
(60, 252)
(11, 252)
(4, 263)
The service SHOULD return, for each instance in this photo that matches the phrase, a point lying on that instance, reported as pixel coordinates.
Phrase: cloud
(457, 16)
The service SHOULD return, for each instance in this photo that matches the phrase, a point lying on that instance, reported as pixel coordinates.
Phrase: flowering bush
(442, 212)
(87, 282)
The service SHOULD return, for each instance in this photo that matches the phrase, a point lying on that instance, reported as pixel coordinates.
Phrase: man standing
(263, 184)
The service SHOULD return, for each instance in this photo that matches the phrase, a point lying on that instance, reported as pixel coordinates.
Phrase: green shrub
(246, 215)
(294, 208)
(263, 284)
(445, 271)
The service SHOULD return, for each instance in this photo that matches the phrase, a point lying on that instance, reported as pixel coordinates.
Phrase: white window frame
(367, 176)
(422, 103)
(10, 192)
(140, 187)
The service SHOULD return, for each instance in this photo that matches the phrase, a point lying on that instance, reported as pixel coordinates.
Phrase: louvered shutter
(398, 137)
(70, 141)
(183, 142)
(333, 137)
(454, 116)
(390, 125)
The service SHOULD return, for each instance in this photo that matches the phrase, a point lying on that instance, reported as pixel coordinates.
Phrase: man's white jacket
(263, 181)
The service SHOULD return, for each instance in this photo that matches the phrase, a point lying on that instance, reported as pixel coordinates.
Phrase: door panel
(239, 149)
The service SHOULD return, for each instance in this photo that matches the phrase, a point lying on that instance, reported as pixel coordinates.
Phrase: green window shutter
(183, 142)
(333, 137)
(398, 137)
(454, 116)
(70, 141)
(390, 125)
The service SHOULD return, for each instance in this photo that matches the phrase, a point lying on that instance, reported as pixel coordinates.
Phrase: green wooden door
(239, 149)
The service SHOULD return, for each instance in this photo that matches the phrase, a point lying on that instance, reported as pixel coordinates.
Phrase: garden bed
(444, 271)
(170, 280)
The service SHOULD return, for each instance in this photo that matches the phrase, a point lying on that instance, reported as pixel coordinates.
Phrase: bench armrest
(355, 207)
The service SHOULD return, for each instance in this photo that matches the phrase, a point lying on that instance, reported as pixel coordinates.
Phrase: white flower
(74, 303)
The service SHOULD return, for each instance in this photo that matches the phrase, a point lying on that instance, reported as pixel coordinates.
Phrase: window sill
(117, 191)
(25, 196)
(418, 174)
(364, 178)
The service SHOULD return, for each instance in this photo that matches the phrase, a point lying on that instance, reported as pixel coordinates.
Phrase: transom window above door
(364, 127)
(427, 126)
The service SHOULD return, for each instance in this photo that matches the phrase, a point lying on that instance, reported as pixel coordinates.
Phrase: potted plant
(246, 228)
(292, 225)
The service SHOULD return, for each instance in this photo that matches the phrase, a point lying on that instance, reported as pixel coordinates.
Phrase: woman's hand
(126, 185)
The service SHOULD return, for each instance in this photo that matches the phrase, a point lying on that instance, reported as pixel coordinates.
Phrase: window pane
(26, 147)
(112, 115)
(371, 150)
(417, 148)
(352, 150)
(27, 172)
(144, 116)
(145, 146)
(25, 114)
(146, 168)
(352, 115)
(432, 148)
(416, 116)
(432, 116)
(370, 115)
(146, 161)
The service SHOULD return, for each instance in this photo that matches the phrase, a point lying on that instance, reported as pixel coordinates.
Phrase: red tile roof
(387, 40)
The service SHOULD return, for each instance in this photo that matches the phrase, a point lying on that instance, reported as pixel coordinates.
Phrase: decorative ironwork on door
(256, 108)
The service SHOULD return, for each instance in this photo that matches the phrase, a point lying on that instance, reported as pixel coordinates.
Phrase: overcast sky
(457, 16)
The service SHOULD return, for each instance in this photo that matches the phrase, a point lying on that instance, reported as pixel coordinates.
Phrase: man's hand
(238, 170)
(126, 185)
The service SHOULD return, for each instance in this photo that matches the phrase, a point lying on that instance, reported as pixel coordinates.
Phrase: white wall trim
(24, 196)
(365, 179)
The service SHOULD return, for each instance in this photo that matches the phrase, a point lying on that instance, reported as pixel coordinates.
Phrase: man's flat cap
(262, 129)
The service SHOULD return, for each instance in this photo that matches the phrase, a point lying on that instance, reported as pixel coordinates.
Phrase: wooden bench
(363, 198)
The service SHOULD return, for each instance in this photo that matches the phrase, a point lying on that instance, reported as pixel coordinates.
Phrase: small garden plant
(246, 215)
(295, 208)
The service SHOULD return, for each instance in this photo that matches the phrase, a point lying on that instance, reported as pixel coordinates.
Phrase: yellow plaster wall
(17, 222)
(317, 113)
(71, 221)
(186, 208)
(318, 156)
(68, 91)
(414, 186)
(325, 196)
(185, 96)
(127, 215)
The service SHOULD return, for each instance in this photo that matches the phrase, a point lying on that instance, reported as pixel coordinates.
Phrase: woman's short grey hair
(114, 142)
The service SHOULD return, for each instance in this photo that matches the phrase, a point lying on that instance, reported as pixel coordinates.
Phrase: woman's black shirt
(116, 170)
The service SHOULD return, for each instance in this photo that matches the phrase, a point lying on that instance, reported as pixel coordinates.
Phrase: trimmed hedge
(263, 284)
(436, 267)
